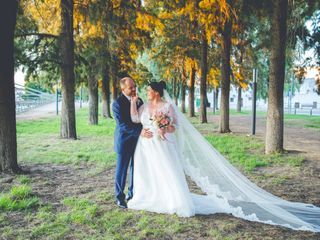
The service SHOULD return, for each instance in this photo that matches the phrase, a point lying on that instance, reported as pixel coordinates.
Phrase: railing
(29, 98)
(303, 111)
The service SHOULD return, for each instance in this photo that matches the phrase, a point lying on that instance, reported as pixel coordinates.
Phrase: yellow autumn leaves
(149, 23)
(46, 13)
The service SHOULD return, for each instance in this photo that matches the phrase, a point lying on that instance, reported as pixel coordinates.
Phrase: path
(45, 111)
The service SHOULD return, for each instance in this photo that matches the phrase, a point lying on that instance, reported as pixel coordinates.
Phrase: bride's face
(152, 94)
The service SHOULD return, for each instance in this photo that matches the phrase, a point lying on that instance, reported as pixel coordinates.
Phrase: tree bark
(105, 93)
(217, 98)
(183, 97)
(191, 92)
(183, 91)
(68, 118)
(178, 93)
(114, 74)
(175, 90)
(225, 76)
(193, 33)
(239, 101)
(8, 136)
(93, 99)
(203, 80)
(274, 127)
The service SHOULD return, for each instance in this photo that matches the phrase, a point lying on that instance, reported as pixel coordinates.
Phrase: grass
(39, 142)
(84, 219)
(302, 121)
(81, 210)
(19, 198)
(247, 152)
(24, 179)
(94, 215)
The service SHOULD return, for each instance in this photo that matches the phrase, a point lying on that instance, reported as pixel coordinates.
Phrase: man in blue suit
(125, 139)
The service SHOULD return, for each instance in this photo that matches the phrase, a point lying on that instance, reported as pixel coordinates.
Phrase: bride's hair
(158, 86)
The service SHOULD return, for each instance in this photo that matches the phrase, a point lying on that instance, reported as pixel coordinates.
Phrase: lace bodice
(145, 115)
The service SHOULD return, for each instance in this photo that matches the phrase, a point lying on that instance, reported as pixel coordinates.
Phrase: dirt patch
(52, 183)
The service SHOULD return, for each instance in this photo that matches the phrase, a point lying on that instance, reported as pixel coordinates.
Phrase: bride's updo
(158, 87)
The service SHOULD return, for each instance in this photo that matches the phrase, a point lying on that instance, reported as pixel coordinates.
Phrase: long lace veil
(242, 198)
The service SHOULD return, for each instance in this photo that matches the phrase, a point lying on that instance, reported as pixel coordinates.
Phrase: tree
(274, 129)
(203, 79)
(61, 31)
(68, 118)
(8, 139)
(225, 75)
(183, 88)
(105, 91)
(192, 80)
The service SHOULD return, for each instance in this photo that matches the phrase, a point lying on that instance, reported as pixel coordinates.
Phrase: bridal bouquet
(161, 121)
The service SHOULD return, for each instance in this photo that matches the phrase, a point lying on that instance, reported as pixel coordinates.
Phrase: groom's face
(129, 88)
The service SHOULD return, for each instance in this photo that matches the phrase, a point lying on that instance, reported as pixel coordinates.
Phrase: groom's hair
(123, 81)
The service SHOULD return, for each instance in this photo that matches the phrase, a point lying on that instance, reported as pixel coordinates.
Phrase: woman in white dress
(161, 162)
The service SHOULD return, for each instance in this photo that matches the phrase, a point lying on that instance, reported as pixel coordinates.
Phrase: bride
(163, 158)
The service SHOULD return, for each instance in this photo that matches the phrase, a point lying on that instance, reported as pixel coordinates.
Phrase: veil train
(242, 198)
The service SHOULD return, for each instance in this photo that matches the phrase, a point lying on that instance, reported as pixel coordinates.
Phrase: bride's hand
(170, 129)
(134, 99)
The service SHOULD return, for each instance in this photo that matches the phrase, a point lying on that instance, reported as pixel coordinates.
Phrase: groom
(125, 139)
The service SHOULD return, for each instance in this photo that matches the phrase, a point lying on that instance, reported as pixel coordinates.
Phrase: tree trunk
(93, 100)
(8, 136)
(217, 98)
(176, 90)
(183, 91)
(193, 35)
(174, 81)
(68, 118)
(225, 77)
(203, 80)
(114, 74)
(178, 93)
(183, 97)
(191, 92)
(106, 74)
(239, 101)
(105, 93)
(274, 128)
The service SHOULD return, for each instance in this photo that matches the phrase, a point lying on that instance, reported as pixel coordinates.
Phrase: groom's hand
(146, 133)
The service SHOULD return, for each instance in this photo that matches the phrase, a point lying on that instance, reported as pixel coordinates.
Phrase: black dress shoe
(122, 204)
(128, 198)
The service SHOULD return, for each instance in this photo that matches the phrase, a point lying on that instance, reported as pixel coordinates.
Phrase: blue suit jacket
(127, 132)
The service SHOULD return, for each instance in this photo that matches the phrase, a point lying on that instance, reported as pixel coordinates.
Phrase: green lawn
(94, 215)
(39, 142)
(305, 121)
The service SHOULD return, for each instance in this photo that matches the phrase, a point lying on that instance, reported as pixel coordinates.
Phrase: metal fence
(303, 111)
(29, 98)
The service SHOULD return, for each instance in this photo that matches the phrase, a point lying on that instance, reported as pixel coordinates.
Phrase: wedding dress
(160, 184)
